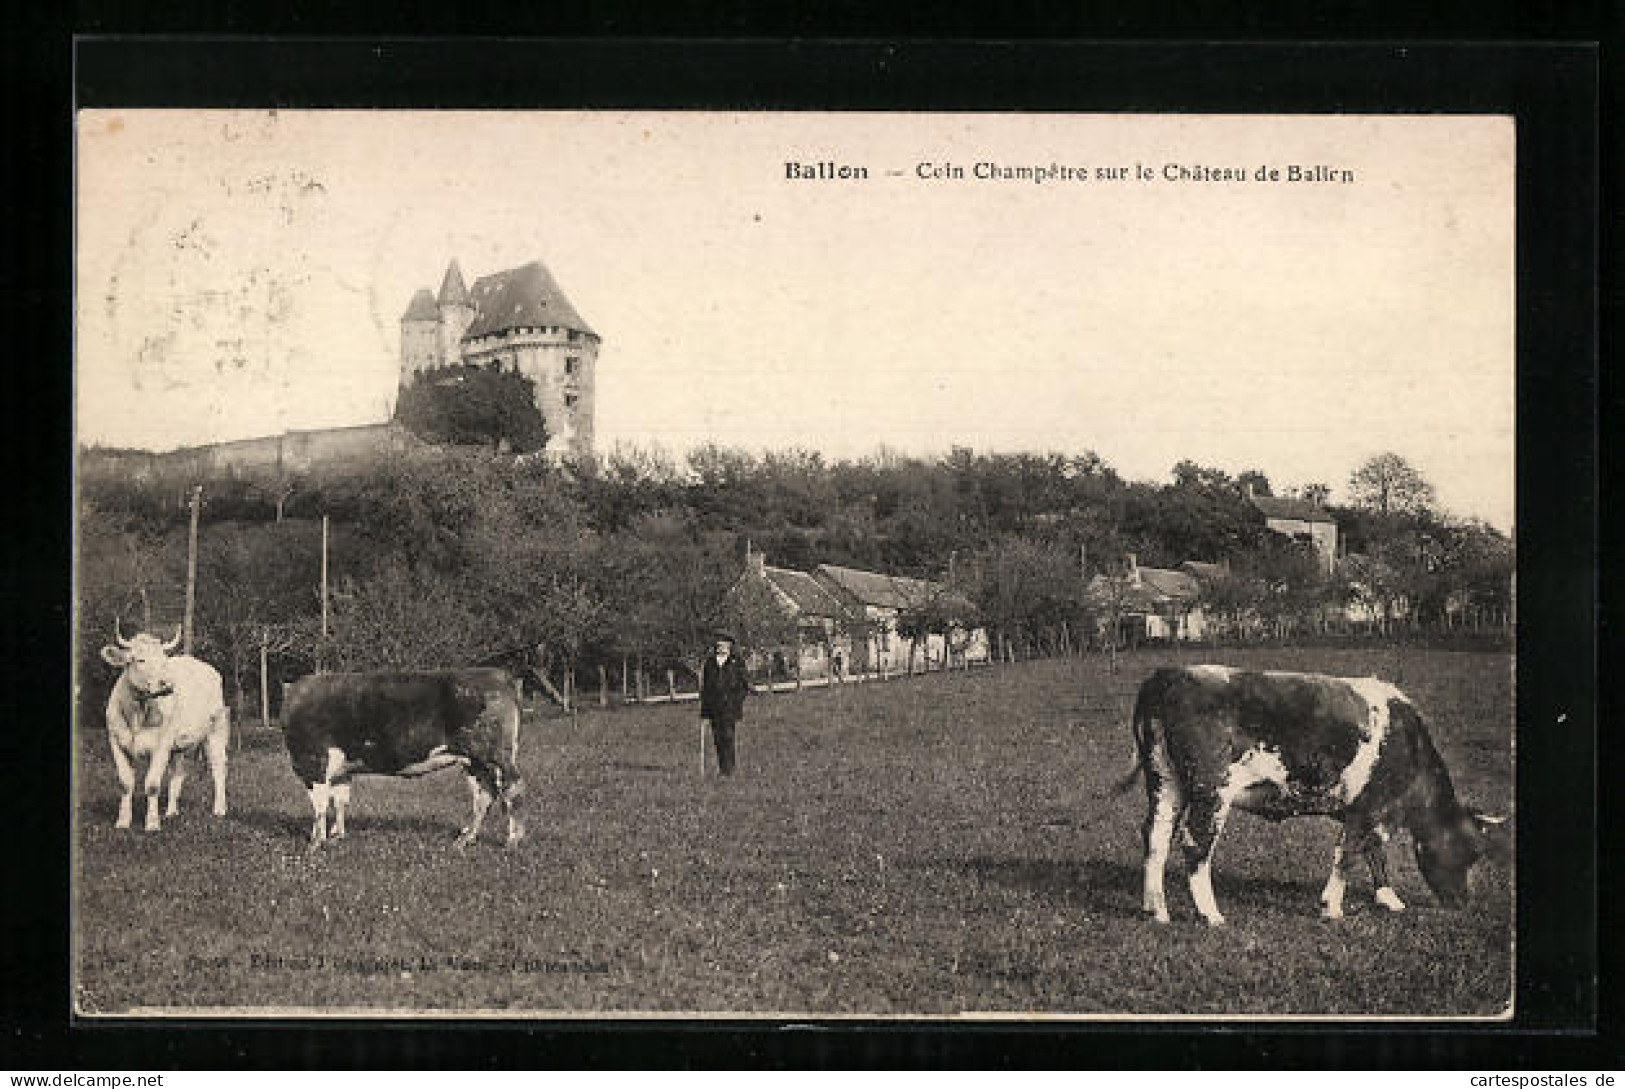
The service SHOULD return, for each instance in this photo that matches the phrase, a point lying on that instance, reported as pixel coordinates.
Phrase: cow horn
(124, 644)
(175, 642)
(1493, 821)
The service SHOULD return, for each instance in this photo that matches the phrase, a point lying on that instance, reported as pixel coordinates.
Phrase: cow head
(145, 661)
(1447, 852)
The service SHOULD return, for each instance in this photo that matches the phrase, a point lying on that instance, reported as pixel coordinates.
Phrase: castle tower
(523, 322)
(456, 312)
(420, 337)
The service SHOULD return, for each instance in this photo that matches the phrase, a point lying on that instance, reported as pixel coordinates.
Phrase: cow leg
(340, 791)
(1376, 860)
(511, 788)
(1204, 819)
(177, 778)
(126, 779)
(1331, 897)
(480, 797)
(155, 780)
(319, 794)
(215, 749)
(1162, 816)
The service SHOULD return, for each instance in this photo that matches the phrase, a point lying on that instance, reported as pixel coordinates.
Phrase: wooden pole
(702, 748)
(265, 688)
(321, 660)
(623, 678)
(671, 684)
(191, 571)
(603, 685)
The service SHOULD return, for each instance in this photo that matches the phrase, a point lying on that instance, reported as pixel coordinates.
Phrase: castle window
(574, 335)
(571, 364)
(570, 400)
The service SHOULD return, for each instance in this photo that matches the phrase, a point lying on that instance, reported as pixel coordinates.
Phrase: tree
(1291, 583)
(398, 618)
(755, 616)
(1025, 589)
(256, 585)
(473, 406)
(1253, 482)
(1388, 484)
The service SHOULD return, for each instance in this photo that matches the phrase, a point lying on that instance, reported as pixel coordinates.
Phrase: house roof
(1132, 595)
(524, 297)
(1174, 585)
(1301, 510)
(893, 591)
(452, 290)
(804, 590)
(1204, 571)
(1153, 587)
(422, 307)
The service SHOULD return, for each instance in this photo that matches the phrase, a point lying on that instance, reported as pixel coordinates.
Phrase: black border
(1550, 89)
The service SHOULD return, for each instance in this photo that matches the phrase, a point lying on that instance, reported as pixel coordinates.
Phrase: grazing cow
(1297, 744)
(163, 707)
(409, 724)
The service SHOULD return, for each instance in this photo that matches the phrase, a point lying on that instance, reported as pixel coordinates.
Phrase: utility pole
(322, 657)
(191, 571)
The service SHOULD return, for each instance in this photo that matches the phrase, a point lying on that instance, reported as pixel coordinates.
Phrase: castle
(517, 320)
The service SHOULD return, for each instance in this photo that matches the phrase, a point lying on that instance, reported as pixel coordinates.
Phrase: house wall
(1323, 535)
(1184, 626)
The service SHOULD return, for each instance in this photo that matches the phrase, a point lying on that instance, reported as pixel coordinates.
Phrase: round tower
(420, 337)
(456, 313)
(525, 323)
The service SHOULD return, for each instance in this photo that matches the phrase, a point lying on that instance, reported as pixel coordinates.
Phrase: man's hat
(723, 637)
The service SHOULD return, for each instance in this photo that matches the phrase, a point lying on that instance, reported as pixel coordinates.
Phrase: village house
(884, 603)
(1153, 603)
(820, 620)
(1301, 520)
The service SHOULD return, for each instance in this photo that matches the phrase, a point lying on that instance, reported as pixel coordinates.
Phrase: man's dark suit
(722, 700)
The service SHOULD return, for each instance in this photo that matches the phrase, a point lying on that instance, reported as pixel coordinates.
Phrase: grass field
(934, 845)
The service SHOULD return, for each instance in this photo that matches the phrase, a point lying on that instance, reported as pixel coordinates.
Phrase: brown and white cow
(341, 724)
(1211, 738)
(163, 706)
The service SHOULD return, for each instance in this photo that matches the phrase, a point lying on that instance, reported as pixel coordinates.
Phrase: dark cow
(1296, 744)
(340, 724)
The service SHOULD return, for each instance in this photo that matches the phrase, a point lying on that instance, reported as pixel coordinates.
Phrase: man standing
(723, 687)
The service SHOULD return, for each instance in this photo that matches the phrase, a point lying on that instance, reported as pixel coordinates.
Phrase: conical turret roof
(452, 290)
(422, 307)
(522, 297)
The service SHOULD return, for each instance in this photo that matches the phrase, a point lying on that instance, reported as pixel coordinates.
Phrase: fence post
(191, 571)
(603, 685)
(265, 689)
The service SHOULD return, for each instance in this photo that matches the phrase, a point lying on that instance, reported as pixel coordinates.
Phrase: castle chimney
(1132, 562)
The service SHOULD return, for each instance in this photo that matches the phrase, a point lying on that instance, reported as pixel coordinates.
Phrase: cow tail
(1142, 747)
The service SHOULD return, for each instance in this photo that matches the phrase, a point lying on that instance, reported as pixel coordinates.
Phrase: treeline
(458, 555)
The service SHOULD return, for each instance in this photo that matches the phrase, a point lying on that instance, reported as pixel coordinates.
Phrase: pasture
(935, 845)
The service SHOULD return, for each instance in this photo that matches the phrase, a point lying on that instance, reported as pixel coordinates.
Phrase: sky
(242, 273)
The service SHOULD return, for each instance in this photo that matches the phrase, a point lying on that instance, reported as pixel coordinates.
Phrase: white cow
(163, 707)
